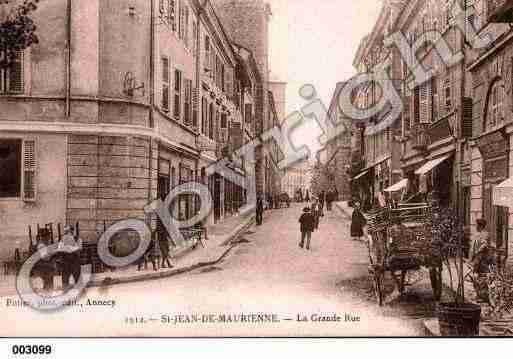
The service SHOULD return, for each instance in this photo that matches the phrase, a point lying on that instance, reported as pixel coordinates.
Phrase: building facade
(454, 133)
(492, 128)
(117, 104)
(378, 166)
(247, 21)
(339, 149)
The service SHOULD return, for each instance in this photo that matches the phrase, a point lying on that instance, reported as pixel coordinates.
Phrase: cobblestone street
(266, 273)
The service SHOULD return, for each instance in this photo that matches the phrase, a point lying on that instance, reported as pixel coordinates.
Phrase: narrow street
(266, 274)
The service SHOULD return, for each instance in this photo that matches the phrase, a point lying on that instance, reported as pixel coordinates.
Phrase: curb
(154, 276)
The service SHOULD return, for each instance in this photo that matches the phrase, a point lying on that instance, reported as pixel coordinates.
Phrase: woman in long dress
(358, 222)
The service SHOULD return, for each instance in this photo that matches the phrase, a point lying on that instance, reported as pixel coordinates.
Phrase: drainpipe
(152, 99)
(68, 59)
(152, 62)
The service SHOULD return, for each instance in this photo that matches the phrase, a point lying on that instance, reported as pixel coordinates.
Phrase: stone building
(491, 144)
(379, 163)
(454, 129)
(279, 90)
(247, 22)
(297, 177)
(117, 104)
(339, 149)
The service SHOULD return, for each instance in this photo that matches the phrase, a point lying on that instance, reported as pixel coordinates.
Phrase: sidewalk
(487, 328)
(218, 245)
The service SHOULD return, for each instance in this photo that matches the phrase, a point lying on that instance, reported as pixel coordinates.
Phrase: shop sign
(496, 169)
(493, 145)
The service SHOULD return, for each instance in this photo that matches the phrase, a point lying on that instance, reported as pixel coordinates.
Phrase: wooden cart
(400, 243)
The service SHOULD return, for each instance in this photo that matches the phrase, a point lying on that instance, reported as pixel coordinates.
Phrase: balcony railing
(420, 137)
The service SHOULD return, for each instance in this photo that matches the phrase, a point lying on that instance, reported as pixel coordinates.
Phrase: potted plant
(456, 317)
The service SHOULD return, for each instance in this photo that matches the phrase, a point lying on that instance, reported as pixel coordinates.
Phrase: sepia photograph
(255, 169)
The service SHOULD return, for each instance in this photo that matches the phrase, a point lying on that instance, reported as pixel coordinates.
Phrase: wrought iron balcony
(420, 137)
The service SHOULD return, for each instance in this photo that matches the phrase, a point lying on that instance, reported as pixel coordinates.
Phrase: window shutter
(416, 106)
(172, 14)
(178, 88)
(425, 103)
(467, 117)
(16, 74)
(29, 170)
(165, 84)
(195, 106)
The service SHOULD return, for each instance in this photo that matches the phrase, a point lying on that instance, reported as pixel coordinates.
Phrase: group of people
(67, 262)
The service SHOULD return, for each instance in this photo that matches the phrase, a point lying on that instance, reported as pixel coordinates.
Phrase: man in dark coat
(330, 197)
(307, 227)
(322, 199)
(358, 221)
(259, 211)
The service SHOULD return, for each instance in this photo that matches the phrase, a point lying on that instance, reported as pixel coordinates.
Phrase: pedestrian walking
(330, 196)
(322, 199)
(150, 256)
(164, 249)
(307, 197)
(316, 214)
(269, 201)
(71, 260)
(358, 222)
(306, 227)
(259, 211)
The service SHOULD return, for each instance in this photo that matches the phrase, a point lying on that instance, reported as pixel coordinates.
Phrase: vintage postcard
(256, 168)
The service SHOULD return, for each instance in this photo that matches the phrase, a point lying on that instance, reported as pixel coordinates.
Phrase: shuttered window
(448, 94)
(208, 65)
(435, 102)
(29, 170)
(178, 95)
(211, 121)
(12, 79)
(187, 102)
(425, 102)
(204, 116)
(186, 25)
(165, 84)
(172, 14)
(416, 106)
(195, 104)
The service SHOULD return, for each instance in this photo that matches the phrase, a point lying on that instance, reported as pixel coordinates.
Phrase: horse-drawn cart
(401, 243)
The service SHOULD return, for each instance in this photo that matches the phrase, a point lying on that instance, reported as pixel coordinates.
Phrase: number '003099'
(31, 349)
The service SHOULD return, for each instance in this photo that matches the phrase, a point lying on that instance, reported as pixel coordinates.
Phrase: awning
(503, 194)
(361, 175)
(398, 186)
(430, 165)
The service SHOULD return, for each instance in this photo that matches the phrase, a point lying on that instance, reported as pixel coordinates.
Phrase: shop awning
(361, 175)
(398, 186)
(503, 194)
(430, 165)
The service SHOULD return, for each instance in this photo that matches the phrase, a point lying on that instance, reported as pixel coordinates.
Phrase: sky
(314, 42)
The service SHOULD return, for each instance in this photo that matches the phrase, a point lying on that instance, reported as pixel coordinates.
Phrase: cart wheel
(378, 286)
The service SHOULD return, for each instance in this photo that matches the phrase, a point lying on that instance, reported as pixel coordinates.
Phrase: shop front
(494, 149)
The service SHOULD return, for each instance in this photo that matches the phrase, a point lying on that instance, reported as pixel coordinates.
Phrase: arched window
(495, 109)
